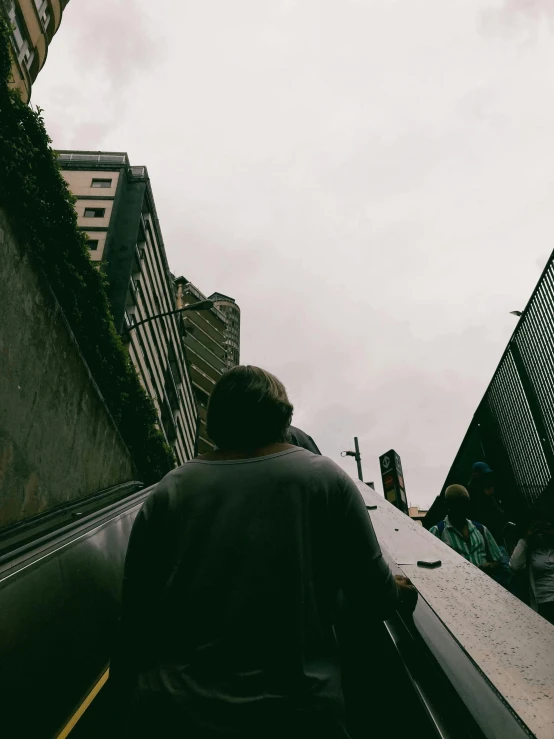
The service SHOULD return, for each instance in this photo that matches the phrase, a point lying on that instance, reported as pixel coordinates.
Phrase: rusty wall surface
(58, 441)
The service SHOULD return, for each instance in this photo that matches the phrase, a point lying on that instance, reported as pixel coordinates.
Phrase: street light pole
(357, 456)
(202, 305)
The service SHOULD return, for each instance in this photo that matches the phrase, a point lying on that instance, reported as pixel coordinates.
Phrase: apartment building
(417, 514)
(206, 347)
(33, 23)
(116, 209)
(231, 311)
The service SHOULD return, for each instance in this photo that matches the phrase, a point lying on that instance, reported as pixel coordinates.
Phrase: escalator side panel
(57, 618)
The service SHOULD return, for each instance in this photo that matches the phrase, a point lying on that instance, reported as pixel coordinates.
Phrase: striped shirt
(476, 550)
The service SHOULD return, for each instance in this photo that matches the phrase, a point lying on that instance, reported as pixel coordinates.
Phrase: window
(28, 58)
(42, 10)
(94, 212)
(101, 183)
(18, 24)
(92, 244)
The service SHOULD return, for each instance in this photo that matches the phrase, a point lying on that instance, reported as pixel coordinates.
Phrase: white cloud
(372, 181)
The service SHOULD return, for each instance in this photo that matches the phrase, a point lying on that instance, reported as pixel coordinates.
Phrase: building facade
(417, 514)
(116, 210)
(231, 311)
(34, 23)
(206, 347)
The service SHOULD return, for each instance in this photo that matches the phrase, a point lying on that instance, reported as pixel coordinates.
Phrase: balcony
(137, 173)
(168, 423)
(92, 158)
(128, 319)
(214, 363)
(138, 256)
(134, 289)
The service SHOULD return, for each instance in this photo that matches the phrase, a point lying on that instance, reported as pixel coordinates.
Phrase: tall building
(115, 208)
(231, 311)
(34, 23)
(205, 341)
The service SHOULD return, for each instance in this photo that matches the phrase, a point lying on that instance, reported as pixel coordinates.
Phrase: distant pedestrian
(535, 553)
(486, 509)
(470, 539)
(301, 439)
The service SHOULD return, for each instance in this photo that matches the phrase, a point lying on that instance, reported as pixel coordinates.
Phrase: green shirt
(477, 550)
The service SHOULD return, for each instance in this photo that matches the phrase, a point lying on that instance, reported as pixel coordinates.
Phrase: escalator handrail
(66, 534)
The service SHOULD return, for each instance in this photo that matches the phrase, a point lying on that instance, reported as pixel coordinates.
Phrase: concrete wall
(57, 439)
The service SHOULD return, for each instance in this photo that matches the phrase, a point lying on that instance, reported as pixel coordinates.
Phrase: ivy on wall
(41, 210)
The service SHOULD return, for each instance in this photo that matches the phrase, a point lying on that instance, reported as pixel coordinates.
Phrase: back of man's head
(454, 492)
(248, 409)
(457, 500)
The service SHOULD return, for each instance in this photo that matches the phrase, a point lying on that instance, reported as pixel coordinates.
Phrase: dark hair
(540, 534)
(248, 409)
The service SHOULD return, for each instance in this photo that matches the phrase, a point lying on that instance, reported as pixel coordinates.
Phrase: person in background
(535, 553)
(301, 439)
(231, 580)
(485, 506)
(486, 509)
(469, 538)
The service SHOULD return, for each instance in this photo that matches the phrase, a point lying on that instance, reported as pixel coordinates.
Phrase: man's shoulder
(314, 471)
(172, 482)
(317, 464)
(477, 525)
(299, 459)
(438, 528)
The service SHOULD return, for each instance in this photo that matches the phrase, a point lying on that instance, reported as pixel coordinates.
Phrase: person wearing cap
(470, 539)
(485, 506)
(486, 509)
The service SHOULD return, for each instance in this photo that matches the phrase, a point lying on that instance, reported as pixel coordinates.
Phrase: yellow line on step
(68, 728)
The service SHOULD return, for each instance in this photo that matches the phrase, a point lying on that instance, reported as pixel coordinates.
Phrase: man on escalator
(470, 539)
(231, 581)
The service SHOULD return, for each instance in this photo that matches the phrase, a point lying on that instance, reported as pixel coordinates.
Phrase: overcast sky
(371, 180)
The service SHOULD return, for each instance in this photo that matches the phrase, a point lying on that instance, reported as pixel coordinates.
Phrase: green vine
(41, 210)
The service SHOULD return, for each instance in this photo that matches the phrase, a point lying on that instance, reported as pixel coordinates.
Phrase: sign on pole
(393, 480)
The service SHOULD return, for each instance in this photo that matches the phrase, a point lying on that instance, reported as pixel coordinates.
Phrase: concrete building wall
(97, 244)
(80, 182)
(57, 440)
(84, 221)
(416, 514)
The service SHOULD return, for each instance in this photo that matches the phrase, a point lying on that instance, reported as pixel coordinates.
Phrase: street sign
(392, 475)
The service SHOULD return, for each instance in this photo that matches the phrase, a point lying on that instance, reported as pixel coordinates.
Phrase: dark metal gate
(513, 426)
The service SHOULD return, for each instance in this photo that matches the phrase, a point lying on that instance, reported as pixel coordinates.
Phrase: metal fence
(513, 426)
